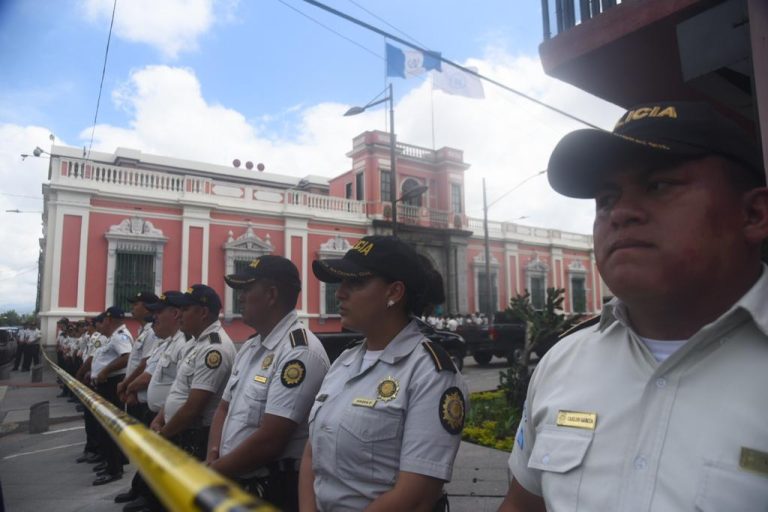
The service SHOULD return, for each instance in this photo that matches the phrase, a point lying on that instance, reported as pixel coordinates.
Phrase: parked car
(453, 343)
(500, 340)
(8, 344)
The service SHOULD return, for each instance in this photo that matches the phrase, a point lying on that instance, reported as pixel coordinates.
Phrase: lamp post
(488, 281)
(393, 182)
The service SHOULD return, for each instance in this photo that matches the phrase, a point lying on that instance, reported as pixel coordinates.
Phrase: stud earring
(390, 303)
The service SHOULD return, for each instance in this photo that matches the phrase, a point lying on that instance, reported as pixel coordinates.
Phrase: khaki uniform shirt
(607, 427)
(205, 365)
(278, 375)
(403, 413)
(118, 344)
(162, 366)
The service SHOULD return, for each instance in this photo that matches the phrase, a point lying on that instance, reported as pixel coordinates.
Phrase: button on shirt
(367, 425)
(118, 344)
(162, 365)
(263, 382)
(201, 368)
(689, 433)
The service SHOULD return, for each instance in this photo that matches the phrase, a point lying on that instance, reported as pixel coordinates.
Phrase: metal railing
(566, 16)
(179, 480)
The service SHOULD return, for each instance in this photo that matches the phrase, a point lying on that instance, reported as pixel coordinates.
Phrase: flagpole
(432, 106)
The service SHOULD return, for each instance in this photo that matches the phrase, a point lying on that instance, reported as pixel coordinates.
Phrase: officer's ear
(395, 292)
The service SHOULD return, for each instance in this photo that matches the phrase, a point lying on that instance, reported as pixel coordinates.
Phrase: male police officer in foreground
(260, 427)
(662, 404)
(142, 349)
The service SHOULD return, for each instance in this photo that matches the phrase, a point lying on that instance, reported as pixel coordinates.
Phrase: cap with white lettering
(652, 135)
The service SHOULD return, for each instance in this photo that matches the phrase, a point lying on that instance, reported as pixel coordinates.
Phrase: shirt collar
(400, 346)
(280, 330)
(752, 302)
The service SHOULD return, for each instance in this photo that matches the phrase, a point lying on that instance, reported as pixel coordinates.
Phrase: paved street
(37, 471)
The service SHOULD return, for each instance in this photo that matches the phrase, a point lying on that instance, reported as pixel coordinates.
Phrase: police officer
(661, 405)
(156, 380)
(136, 405)
(260, 427)
(386, 424)
(107, 370)
(91, 451)
(186, 416)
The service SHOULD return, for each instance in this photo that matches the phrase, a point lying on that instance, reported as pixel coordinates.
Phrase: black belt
(284, 466)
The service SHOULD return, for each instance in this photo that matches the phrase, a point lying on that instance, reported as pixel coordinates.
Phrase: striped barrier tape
(180, 481)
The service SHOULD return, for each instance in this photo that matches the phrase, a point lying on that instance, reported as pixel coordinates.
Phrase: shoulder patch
(298, 338)
(581, 325)
(213, 359)
(451, 410)
(293, 373)
(441, 358)
(214, 337)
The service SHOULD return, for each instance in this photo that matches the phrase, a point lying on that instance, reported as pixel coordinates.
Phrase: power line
(526, 180)
(387, 23)
(326, 27)
(103, 73)
(447, 61)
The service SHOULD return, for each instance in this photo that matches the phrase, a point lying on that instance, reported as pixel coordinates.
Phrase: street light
(393, 182)
(486, 205)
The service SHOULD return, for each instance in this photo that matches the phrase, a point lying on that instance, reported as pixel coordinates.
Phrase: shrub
(491, 421)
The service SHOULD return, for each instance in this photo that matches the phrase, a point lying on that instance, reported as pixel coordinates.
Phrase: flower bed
(491, 421)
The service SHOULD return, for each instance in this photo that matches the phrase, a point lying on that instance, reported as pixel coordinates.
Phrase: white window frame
(334, 247)
(133, 234)
(246, 247)
(478, 265)
(536, 268)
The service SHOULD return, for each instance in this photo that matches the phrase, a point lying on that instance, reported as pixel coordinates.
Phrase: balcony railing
(566, 15)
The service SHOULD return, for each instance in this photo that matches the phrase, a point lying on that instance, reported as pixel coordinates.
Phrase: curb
(7, 429)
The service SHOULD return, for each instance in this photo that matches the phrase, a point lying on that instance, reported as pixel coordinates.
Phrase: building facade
(121, 222)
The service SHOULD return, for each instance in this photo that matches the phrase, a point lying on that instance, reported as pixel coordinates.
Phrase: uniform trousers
(31, 355)
(109, 449)
(20, 348)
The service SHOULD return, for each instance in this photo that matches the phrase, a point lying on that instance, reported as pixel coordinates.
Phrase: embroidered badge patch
(293, 374)
(388, 389)
(267, 361)
(213, 359)
(452, 410)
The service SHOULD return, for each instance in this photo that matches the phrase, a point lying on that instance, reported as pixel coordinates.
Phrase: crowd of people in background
(28, 351)
(455, 322)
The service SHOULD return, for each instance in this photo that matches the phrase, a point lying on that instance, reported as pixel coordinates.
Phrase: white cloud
(22, 180)
(504, 138)
(171, 26)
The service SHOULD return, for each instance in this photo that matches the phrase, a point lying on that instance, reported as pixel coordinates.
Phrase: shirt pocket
(368, 444)
(559, 453)
(255, 401)
(727, 487)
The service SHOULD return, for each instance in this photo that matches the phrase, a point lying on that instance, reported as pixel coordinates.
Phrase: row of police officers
(379, 428)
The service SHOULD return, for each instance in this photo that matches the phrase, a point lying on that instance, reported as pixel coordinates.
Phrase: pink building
(118, 223)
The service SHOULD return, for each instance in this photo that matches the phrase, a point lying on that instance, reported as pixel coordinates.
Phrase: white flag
(460, 83)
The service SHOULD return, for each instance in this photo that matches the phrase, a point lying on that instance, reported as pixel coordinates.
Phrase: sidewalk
(38, 471)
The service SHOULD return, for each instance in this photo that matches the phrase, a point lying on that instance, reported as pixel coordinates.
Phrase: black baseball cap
(98, 318)
(269, 266)
(653, 134)
(173, 298)
(144, 297)
(377, 255)
(200, 295)
(114, 312)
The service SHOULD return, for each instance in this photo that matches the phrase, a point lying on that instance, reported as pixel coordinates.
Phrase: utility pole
(488, 291)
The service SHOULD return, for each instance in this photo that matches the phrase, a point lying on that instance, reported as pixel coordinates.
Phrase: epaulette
(298, 338)
(214, 337)
(581, 325)
(440, 357)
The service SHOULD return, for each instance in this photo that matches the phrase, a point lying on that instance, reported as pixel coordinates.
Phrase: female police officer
(385, 426)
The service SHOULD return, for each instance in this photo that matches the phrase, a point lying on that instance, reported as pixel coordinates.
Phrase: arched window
(410, 184)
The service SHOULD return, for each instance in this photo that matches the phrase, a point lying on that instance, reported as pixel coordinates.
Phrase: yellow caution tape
(180, 481)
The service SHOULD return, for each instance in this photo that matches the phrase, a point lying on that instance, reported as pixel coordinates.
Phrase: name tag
(754, 460)
(364, 402)
(575, 419)
(260, 378)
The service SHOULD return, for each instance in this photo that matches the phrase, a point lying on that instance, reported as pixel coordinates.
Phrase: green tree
(10, 317)
(543, 327)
